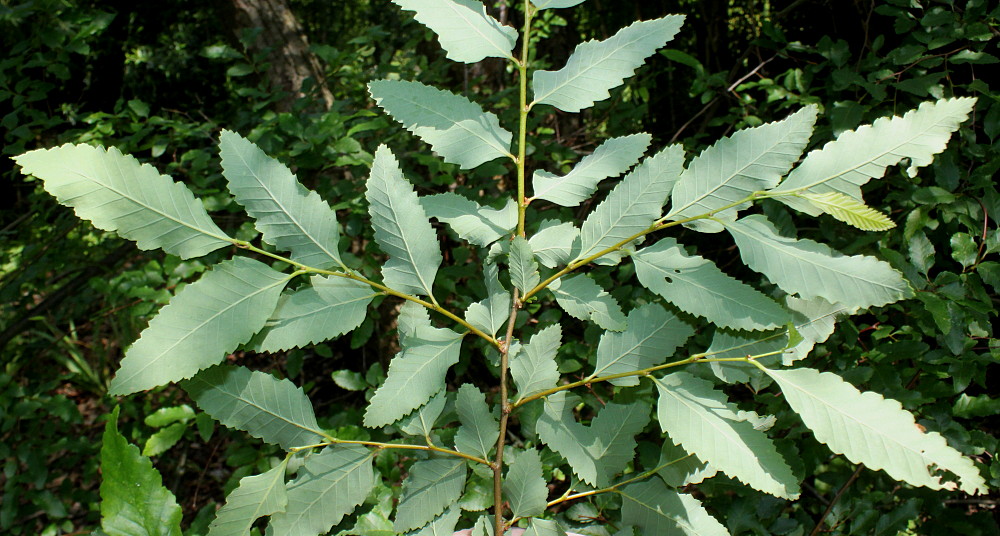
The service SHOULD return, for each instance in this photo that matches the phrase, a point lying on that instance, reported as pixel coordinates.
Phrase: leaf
(163, 439)
(544, 527)
(634, 204)
(255, 497)
(749, 161)
(850, 210)
(584, 299)
(127, 477)
(656, 509)
(872, 430)
(595, 67)
(402, 229)
(479, 225)
(421, 421)
(652, 335)
(326, 309)
(117, 193)
(678, 468)
(276, 411)
(330, 485)
(464, 29)
(443, 525)
(479, 429)
(415, 374)
(492, 313)
(855, 157)
(813, 270)
(534, 368)
(205, 321)
(458, 129)
(555, 243)
(697, 286)
(432, 486)
(700, 419)
(523, 268)
(612, 158)
(524, 485)
(288, 216)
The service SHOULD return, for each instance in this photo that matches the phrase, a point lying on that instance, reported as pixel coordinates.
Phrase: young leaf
(117, 193)
(128, 476)
(457, 128)
(432, 486)
(479, 430)
(656, 509)
(651, 336)
(697, 286)
(326, 309)
(421, 421)
(553, 4)
(255, 497)
(288, 215)
(555, 243)
(700, 419)
(595, 67)
(584, 299)
(274, 410)
(479, 225)
(750, 160)
(443, 525)
(849, 210)
(401, 228)
(813, 270)
(205, 321)
(524, 485)
(330, 485)
(610, 159)
(873, 430)
(523, 268)
(534, 368)
(464, 29)
(492, 313)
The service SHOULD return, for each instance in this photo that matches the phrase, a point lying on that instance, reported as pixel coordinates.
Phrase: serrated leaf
(872, 430)
(255, 497)
(479, 225)
(849, 210)
(479, 429)
(634, 204)
(554, 4)
(330, 485)
(652, 335)
(750, 160)
(555, 243)
(443, 525)
(464, 29)
(415, 374)
(127, 475)
(492, 313)
(813, 270)
(288, 216)
(117, 193)
(544, 527)
(421, 421)
(656, 509)
(612, 158)
(431, 487)
(326, 309)
(678, 467)
(205, 321)
(402, 229)
(702, 420)
(458, 130)
(523, 268)
(595, 67)
(856, 157)
(534, 368)
(524, 485)
(584, 299)
(697, 286)
(274, 410)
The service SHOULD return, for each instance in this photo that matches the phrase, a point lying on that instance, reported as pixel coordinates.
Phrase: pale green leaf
(554, 4)
(584, 299)
(849, 210)
(595, 67)
(274, 410)
(412, 316)
(205, 321)
(610, 159)
(544, 527)
(534, 368)
(656, 509)
(524, 485)
(555, 243)
(163, 439)
(678, 467)
(326, 309)
(168, 415)
(421, 421)
(479, 225)
(652, 335)
(443, 525)
(431, 487)
(255, 497)
(699, 418)
(464, 29)
(415, 374)
(875, 431)
(479, 430)
(289, 216)
(749, 161)
(478, 494)
(402, 229)
(375, 521)
(456, 128)
(117, 193)
(492, 313)
(330, 485)
(523, 268)
(697, 286)
(813, 270)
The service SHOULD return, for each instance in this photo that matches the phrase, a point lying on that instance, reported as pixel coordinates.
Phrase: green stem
(376, 444)
(522, 67)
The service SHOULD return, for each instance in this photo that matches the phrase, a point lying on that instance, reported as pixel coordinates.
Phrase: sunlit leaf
(464, 29)
(610, 159)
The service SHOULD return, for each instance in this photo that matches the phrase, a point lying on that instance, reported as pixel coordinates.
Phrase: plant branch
(379, 445)
(840, 493)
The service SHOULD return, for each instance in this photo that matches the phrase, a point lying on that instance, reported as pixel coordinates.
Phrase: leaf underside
(255, 497)
(431, 487)
(534, 368)
(464, 29)
(612, 158)
(584, 299)
(656, 509)
(652, 335)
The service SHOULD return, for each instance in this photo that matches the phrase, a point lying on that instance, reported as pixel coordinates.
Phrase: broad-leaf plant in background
(531, 440)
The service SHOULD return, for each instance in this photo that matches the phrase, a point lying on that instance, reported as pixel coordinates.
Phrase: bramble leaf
(610, 159)
(464, 29)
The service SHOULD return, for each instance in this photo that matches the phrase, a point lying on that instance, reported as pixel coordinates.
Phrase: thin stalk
(505, 409)
(522, 68)
(376, 444)
(642, 476)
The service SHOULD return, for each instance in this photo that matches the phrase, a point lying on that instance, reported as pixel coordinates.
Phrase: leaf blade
(255, 497)
(652, 335)
(431, 487)
(465, 31)
(524, 485)
(612, 158)
(479, 429)
(658, 510)
(534, 368)
(584, 299)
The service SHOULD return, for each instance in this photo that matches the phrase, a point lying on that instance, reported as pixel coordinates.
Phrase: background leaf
(255, 497)
(431, 487)
(658, 510)
(464, 29)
